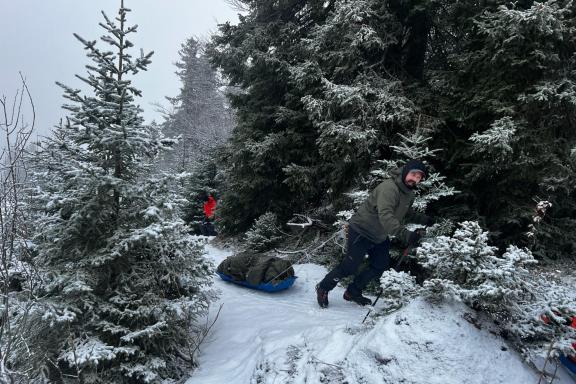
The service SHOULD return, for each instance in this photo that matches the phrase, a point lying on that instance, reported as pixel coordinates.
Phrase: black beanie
(414, 165)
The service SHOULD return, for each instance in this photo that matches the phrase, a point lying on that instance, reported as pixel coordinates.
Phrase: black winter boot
(321, 296)
(358, 299)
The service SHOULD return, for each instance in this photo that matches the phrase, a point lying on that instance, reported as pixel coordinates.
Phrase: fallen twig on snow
(203, 333)
(316, 360)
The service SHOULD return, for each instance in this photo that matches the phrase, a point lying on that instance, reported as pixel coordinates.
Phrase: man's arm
(418, 217)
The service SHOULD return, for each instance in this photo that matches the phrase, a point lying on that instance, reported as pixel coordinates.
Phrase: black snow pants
(207, 227)
(358, 247)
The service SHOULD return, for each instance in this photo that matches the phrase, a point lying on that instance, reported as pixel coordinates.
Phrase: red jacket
(209, 207)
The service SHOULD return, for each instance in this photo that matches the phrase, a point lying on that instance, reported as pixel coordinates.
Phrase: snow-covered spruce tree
(354, 78)
(273, 137)
(123, 279)
(507, 89)
(263, 234)
(464, 266)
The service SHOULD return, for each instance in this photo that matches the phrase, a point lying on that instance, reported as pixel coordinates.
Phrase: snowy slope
(286, 338)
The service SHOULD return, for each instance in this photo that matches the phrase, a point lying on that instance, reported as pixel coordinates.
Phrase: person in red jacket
(207, 222)
(209, 207)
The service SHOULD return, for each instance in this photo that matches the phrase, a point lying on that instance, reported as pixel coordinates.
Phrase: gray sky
(37, 40)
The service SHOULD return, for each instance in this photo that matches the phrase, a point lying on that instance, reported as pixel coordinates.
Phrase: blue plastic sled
(267, 287)
(568, 364)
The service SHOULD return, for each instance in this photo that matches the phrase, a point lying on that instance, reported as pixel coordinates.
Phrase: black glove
(430, 221)
(414, 238)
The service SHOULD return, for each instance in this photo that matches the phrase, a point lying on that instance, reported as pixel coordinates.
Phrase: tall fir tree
(355, 95)
(201, 115)
(123, 279)
(273, 138)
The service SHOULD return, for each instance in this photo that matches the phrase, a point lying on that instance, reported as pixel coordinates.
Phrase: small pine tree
(123, 279)
(200, 116)
(532, 308)
(398, 288)
(263, 234)
(467, 267)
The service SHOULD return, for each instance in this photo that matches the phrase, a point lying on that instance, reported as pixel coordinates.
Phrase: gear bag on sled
(265, 273)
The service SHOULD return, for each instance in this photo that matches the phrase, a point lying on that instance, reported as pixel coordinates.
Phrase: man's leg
(203, 229)
(357, 247)
(210, 228)
(379, 261)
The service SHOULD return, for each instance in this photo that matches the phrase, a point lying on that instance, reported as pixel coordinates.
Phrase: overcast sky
(37, 40)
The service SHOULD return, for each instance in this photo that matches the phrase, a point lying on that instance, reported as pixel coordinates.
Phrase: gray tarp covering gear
(256, 268)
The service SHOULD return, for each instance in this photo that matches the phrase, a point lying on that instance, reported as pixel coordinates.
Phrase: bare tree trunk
(15, 134)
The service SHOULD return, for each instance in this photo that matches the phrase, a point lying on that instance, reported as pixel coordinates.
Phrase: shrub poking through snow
(467, 267)
(264, 233)
(398, 289)
(535, 311)
(560, 319)
(545, 323)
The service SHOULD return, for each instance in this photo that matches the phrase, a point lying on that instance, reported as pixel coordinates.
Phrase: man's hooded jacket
(385, 210)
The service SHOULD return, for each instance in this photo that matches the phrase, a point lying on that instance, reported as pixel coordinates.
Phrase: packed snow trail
(285, 337)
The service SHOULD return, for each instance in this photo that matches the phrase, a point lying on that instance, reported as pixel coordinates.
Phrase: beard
(410, 184)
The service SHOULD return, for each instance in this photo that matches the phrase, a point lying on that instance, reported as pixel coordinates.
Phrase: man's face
(413, 178)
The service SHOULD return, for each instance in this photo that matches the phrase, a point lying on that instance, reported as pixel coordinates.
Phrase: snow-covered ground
(286, 338)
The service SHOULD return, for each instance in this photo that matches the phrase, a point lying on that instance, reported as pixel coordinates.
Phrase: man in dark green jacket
(380, 216)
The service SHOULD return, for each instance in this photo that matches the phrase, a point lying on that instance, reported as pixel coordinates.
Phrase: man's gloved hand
(415, 237)
(430, 221)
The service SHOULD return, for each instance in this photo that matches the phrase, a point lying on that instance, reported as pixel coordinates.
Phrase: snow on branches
(398, 288)
(264, 233)
(124, 279)
(531, 306)
(496, 141)
(465, 266)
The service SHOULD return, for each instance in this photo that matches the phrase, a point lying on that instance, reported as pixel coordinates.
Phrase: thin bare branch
(238, 5)
(16, 133)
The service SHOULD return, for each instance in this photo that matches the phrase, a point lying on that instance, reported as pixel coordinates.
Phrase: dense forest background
(325, 89)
